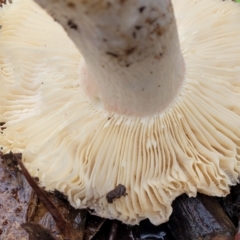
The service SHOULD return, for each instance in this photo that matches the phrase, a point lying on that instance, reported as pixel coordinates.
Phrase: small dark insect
(117, 192)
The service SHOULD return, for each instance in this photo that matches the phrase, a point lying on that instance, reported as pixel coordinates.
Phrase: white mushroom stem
(132, 60)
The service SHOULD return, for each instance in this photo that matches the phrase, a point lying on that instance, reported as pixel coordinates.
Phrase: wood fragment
(200, 218)
(37, 231)
(113, 231)
(123, 232)
(93, 226)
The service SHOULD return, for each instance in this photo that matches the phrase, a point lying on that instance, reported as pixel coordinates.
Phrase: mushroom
(144, 105)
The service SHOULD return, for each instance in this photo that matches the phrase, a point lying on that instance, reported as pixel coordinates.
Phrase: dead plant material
(37, 231)
(200, 218)
(57, 216)
(113, 231)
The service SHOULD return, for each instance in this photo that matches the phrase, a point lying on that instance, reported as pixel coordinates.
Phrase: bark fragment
(200, 218)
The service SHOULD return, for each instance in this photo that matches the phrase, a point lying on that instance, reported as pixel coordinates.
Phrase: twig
(57, 216)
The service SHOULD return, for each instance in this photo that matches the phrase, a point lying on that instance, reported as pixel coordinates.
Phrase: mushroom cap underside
(85, 152)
